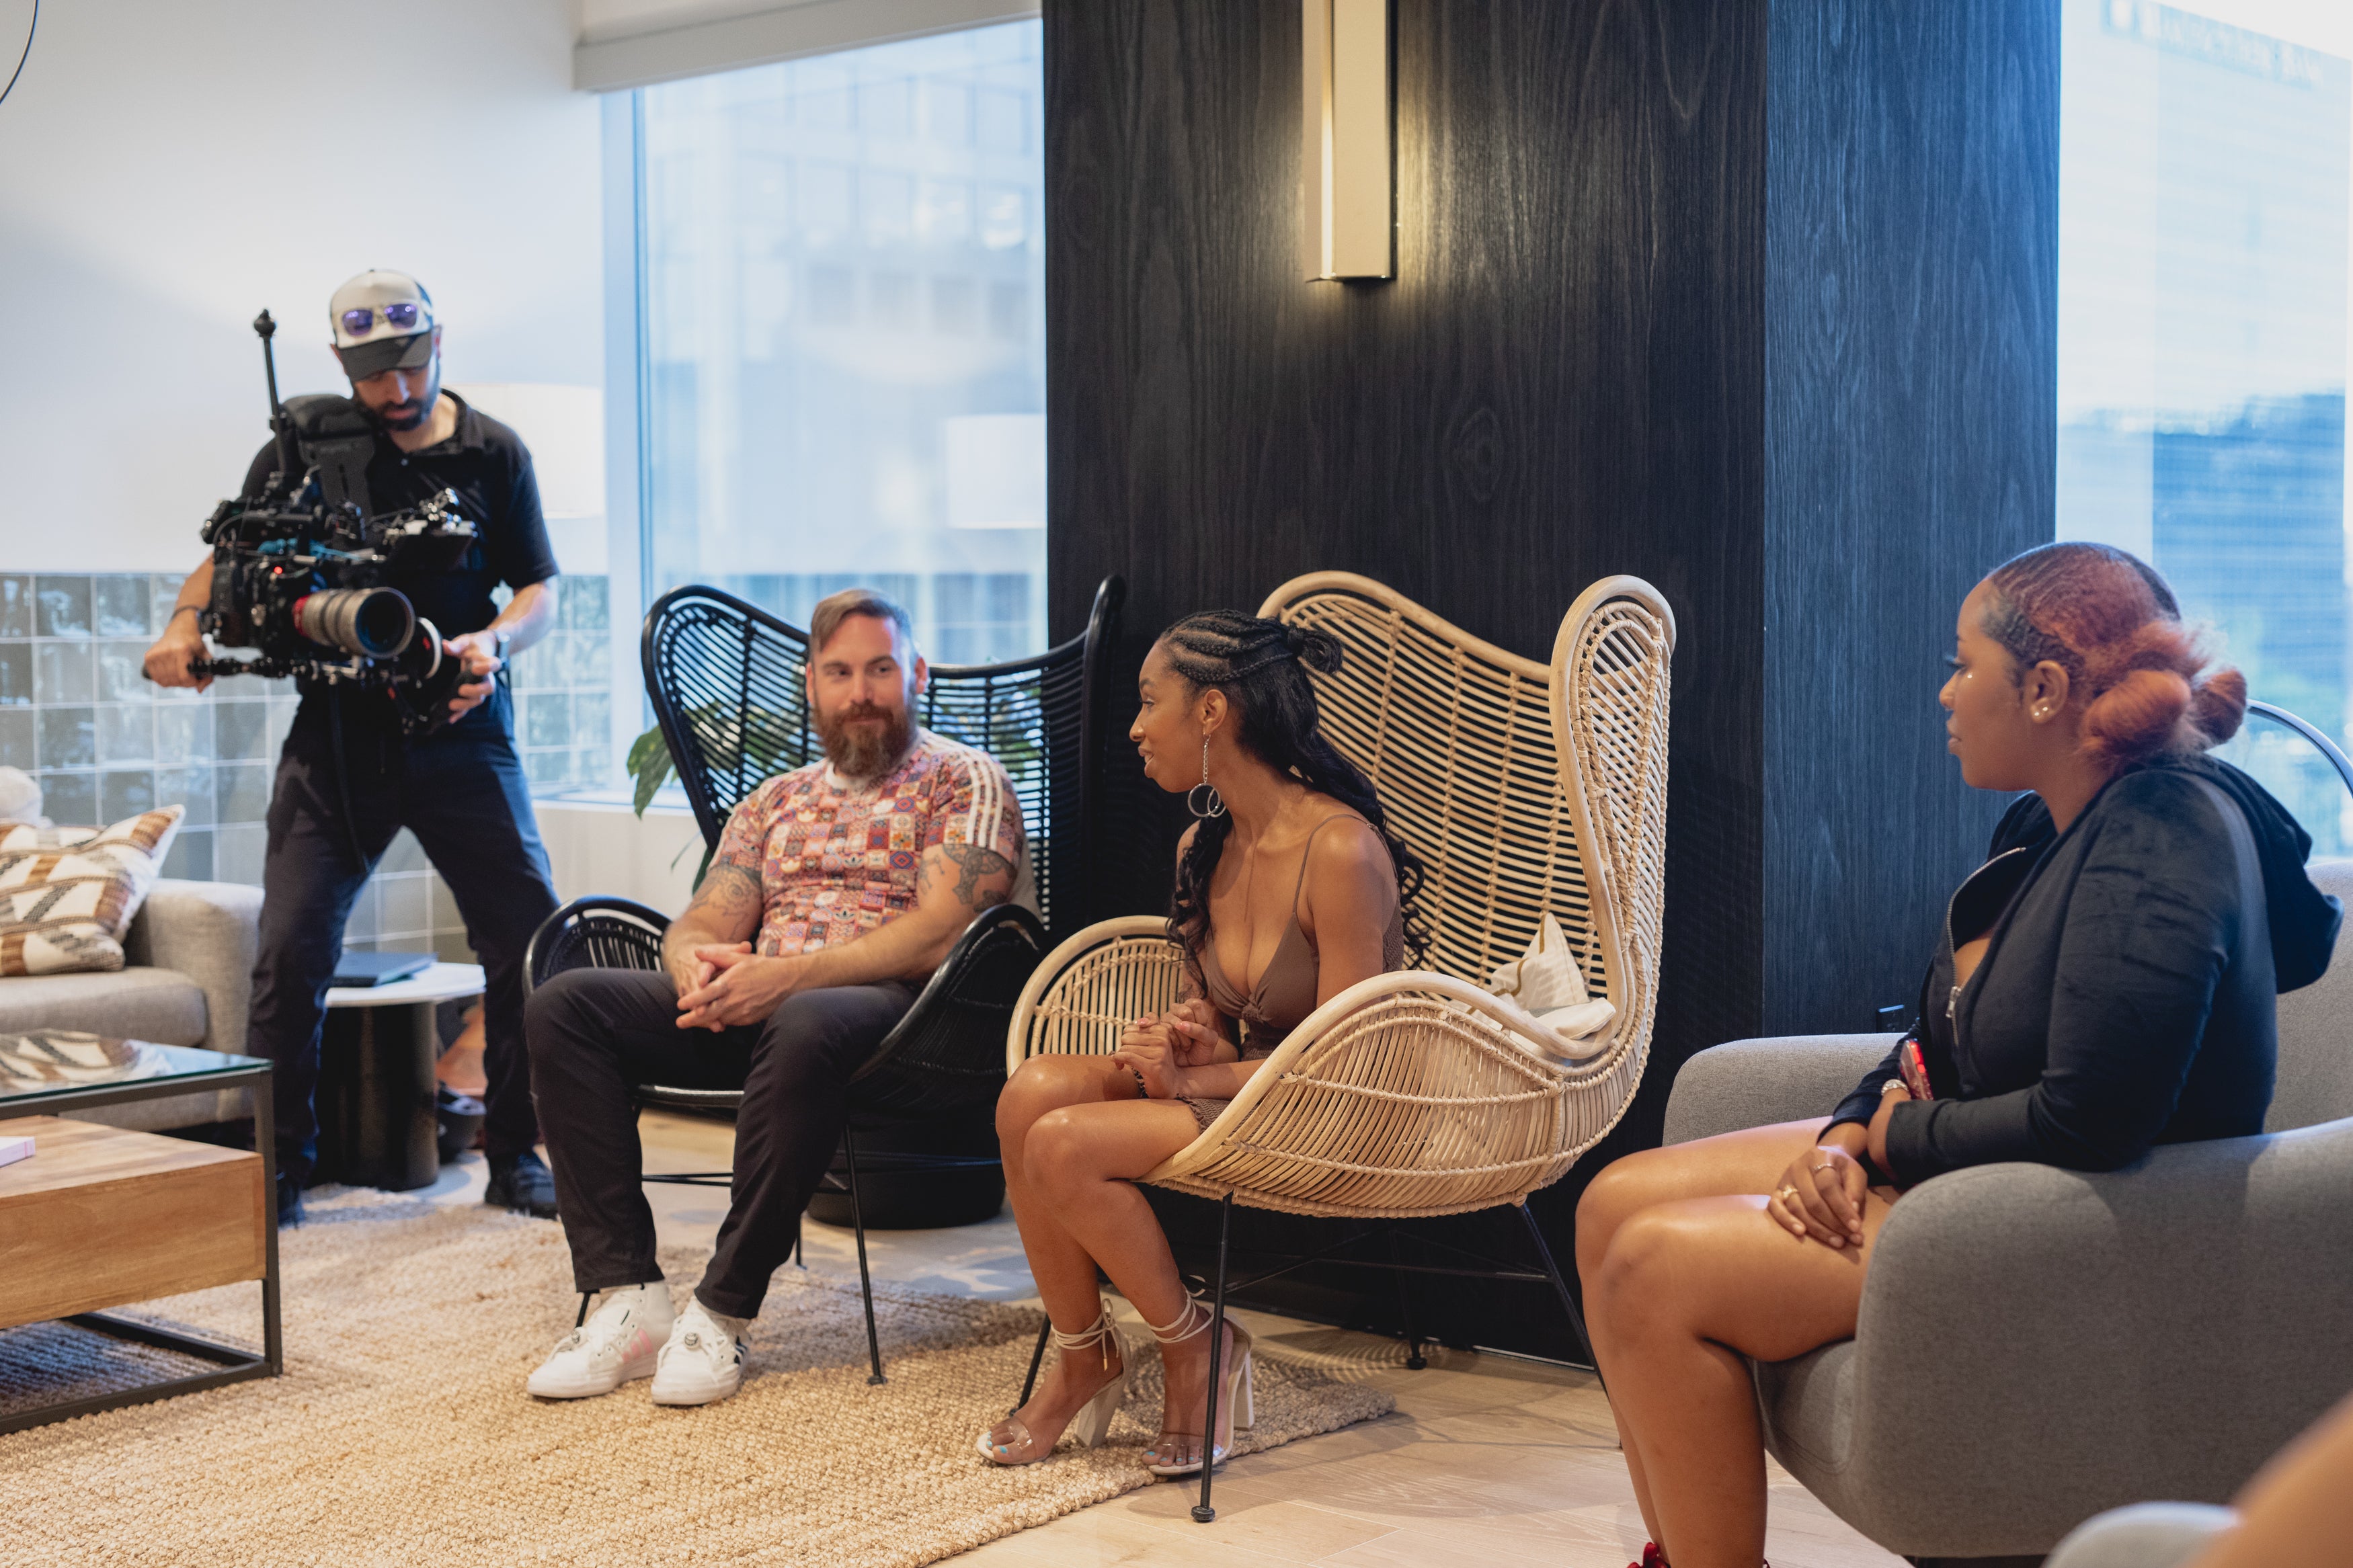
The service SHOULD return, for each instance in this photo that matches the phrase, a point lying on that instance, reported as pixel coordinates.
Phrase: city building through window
(2203, 194)
(844, 266)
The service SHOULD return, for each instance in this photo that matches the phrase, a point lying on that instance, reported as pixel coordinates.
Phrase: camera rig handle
(281, 422)
(421, 680)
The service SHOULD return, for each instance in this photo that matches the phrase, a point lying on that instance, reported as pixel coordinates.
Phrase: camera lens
(374, 623)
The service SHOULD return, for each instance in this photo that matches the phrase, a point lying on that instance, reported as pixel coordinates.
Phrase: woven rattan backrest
(727, 683)
(1460, 738)
(1611, 702)
(728, 687)
(1027, 716)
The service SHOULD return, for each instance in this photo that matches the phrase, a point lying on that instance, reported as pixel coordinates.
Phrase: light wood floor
(1490, 1461)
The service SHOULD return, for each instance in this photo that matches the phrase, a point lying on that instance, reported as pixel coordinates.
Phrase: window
(2203, 192)
(844, 346)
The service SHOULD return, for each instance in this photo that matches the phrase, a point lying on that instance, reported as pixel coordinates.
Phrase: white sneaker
(619, 1341)
(703, 1361)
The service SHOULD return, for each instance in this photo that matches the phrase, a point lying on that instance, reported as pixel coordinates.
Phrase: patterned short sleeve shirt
(838, 857)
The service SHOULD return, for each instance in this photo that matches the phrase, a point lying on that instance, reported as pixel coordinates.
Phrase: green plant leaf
(649, 765)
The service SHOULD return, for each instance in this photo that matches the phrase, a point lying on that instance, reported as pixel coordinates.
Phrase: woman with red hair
(2104, 981)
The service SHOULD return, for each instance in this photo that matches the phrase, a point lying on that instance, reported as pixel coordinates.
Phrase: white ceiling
(635, 43)
(604, 19)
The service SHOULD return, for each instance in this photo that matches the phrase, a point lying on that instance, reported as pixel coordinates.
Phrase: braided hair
(2107, 619)
(1262, 667)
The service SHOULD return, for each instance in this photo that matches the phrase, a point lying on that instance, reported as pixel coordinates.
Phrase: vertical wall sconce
(1347, 179)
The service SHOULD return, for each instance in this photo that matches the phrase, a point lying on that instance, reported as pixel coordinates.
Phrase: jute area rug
(401, 1434)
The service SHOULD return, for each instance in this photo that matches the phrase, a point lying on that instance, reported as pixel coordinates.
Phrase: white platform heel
(1236, 1406)
(1010, 1442)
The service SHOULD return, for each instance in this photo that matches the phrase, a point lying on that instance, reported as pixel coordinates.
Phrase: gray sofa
(188, 982)
(2037, 1345)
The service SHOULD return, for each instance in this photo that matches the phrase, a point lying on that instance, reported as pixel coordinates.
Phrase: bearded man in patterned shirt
(834, 891)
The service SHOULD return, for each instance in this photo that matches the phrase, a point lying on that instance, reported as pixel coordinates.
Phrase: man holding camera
(349, 778)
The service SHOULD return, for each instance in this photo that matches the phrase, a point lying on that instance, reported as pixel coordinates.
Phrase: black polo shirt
(489, 467)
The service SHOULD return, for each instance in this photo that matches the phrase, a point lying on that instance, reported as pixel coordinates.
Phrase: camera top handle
(280, 421)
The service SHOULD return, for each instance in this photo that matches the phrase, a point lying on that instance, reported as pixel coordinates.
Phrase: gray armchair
(2037, 1345)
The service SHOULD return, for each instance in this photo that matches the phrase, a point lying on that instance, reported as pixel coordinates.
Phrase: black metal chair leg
(1414, 1360)
(1576, 1318)
(799, 1221)
(1202, 1512)
(865, 1281)
(1037, 1359)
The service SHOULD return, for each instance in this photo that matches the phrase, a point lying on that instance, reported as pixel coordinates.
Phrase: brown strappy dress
(1287, 986)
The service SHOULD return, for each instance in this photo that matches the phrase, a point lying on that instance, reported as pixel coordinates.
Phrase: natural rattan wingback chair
(1527, 788)
(725, 680)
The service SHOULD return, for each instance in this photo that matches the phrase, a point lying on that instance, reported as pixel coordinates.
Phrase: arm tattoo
(729, 892)
(729, 897)
(974, 863)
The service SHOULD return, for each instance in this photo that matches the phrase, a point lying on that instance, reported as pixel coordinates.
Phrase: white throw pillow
(1578, 1023)
(1564, 1035)
(68, 894)
(1545, 986)
(1543, 977)
(20, 797)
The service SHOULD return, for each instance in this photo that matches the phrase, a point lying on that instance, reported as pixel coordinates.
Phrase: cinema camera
(297, 569)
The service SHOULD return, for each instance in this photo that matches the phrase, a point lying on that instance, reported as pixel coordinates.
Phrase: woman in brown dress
(1290, 889)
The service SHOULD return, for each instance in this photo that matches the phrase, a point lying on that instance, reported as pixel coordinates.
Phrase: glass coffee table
(45, 1073)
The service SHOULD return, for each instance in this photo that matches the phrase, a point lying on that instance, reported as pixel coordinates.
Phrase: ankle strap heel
(1235, 1401)
(1098, 1335)
(1010, 1442)
(1187, 1324)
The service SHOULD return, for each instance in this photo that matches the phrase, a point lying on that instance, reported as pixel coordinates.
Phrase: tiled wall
(76, 713)
(564, 694)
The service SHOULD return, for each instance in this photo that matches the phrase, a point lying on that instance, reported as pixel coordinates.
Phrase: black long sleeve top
(2127, 997)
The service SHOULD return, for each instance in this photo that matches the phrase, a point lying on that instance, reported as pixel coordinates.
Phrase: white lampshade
(564, 428)
(996, 470)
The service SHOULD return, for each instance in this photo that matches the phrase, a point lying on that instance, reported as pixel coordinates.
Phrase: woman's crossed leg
(1686, 1276)
(1074, 1138)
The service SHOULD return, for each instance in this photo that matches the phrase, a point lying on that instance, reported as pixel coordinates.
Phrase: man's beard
(867, 751)
(424, 405)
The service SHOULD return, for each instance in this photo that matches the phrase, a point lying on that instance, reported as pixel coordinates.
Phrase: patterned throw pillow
(67, 894)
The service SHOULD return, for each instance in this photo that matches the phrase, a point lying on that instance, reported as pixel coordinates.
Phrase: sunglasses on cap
(401, 316)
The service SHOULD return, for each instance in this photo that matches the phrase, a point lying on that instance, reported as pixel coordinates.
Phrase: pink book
(14, 1148)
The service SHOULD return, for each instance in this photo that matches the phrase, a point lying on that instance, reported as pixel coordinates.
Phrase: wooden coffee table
(103, 1217)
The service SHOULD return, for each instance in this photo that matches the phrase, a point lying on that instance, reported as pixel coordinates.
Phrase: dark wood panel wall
(1911, 421)
(1606, 350)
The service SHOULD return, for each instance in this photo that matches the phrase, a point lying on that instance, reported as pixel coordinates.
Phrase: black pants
(597, 1032)
(462, 792)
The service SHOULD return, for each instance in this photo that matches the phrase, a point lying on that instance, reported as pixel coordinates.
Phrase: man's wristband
(179, 610)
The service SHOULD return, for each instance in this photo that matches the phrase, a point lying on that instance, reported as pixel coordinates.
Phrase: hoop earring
(1216, 804)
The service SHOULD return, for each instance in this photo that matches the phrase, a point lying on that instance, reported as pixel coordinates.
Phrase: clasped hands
(1819, 1196)
(1159, 1048)
(722, 985)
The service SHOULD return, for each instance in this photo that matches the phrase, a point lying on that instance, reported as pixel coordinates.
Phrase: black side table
(377, 1118)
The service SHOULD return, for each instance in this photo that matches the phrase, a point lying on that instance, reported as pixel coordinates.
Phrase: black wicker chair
(726, 682)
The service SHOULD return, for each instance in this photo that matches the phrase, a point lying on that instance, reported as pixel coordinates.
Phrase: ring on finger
(1817, 1170)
